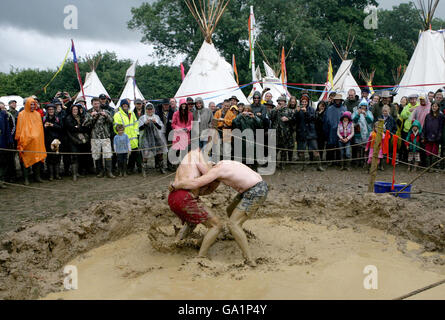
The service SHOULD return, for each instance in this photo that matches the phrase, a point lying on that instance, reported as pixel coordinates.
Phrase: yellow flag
(330, 74)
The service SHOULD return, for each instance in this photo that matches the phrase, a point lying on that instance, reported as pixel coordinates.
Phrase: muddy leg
(233, 205)
(236, 228)
(185, 231)
(215, 228)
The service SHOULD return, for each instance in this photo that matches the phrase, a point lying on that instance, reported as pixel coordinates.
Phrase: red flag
(283, 68)
(395, 140)
(235, 71)
(182, 72)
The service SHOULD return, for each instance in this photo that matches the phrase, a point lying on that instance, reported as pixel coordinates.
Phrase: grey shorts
(310, 144)
(252, 199)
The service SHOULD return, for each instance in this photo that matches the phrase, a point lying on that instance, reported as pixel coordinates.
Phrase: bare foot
(250, 263)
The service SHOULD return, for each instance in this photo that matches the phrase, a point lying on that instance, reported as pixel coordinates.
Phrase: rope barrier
(421, 290)
(92, 191)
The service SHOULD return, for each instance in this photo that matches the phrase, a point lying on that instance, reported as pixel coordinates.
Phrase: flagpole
(76, 66)
(252, 40)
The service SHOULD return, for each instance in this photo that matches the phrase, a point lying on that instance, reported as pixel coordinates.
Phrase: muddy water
(296, 260)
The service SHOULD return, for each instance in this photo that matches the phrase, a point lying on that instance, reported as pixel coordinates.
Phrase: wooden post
(375, 156)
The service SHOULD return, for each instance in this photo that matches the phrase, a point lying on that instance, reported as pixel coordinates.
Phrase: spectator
(247, 121)
(363, 121)
(165, 113)
(173, 105)
(150, 127)
(321, 137)
(371, 145)
(77, 128)
(431, 96)
(6, 142)
(204, 118)
(413, 144)
(101, 139)
(378, 107)
(365, 95)
(30, 137)
(122, 147)
(420, 114)
(330, 126)
(432, 132)
(128, 119)
(345, 134)
(13, 109)
(306, 132)
(352, 100)
(190, 104)
(282, 121)
(390, 123)
(182, 125)
(53, 128)
(212, 107)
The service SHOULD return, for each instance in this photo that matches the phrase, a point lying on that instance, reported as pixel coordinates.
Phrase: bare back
(237, 175)
(190, 168)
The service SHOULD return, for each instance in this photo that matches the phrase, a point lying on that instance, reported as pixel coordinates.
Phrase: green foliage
(154, 81)
(301, 27)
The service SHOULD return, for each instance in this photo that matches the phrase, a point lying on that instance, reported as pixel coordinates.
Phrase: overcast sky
(32, 33)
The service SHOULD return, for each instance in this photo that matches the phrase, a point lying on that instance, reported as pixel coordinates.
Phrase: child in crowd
(413, 137)
(432, 132)
(363, 120)
(122, 147)
(370, 146)
(345, 132)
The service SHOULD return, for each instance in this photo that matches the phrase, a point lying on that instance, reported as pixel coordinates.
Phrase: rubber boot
(429, 162)
(25, 176)
(381, 166)
(57, 172)
(319, 167)
(342, 166)
(442, 155)
(99, 168)
(144, 169)
(283, 160)
(302, 158)
(75, 168)
(348, 165)
(124, 170)
(51, 172)
(109, 168)
(36, 169)
(416, 164)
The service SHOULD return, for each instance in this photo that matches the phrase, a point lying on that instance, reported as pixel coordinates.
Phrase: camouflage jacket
(101, 125)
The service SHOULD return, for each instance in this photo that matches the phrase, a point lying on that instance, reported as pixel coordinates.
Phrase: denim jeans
(346, 148)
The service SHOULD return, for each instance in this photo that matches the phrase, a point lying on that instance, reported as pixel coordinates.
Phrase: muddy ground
(42, 230)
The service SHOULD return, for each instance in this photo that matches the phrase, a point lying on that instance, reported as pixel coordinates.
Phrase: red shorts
(187, 207)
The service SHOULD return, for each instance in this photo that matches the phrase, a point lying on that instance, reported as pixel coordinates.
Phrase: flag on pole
(331, 73)
(252, 36)
(182, 72)
(283, 68)
(76, 66)
(235, 71)
(58, 71)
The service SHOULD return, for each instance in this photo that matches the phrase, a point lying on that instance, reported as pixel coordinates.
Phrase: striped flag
(76, 66)
(235, 71)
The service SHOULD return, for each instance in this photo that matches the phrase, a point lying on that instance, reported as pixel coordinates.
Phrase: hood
(257, 94)
(28, 104)
(417, 124)
(346, 114)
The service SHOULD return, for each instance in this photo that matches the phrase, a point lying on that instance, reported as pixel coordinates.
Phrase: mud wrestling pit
(312, 240)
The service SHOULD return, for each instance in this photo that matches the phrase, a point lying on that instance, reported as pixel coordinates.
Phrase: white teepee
(343, 80)
(210, 76)
(271, 81)
(93, 88)
(131, 90)
(427, 65)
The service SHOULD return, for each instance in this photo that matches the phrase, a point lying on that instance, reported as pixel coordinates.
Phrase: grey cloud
(388, 4)
(98, 19)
